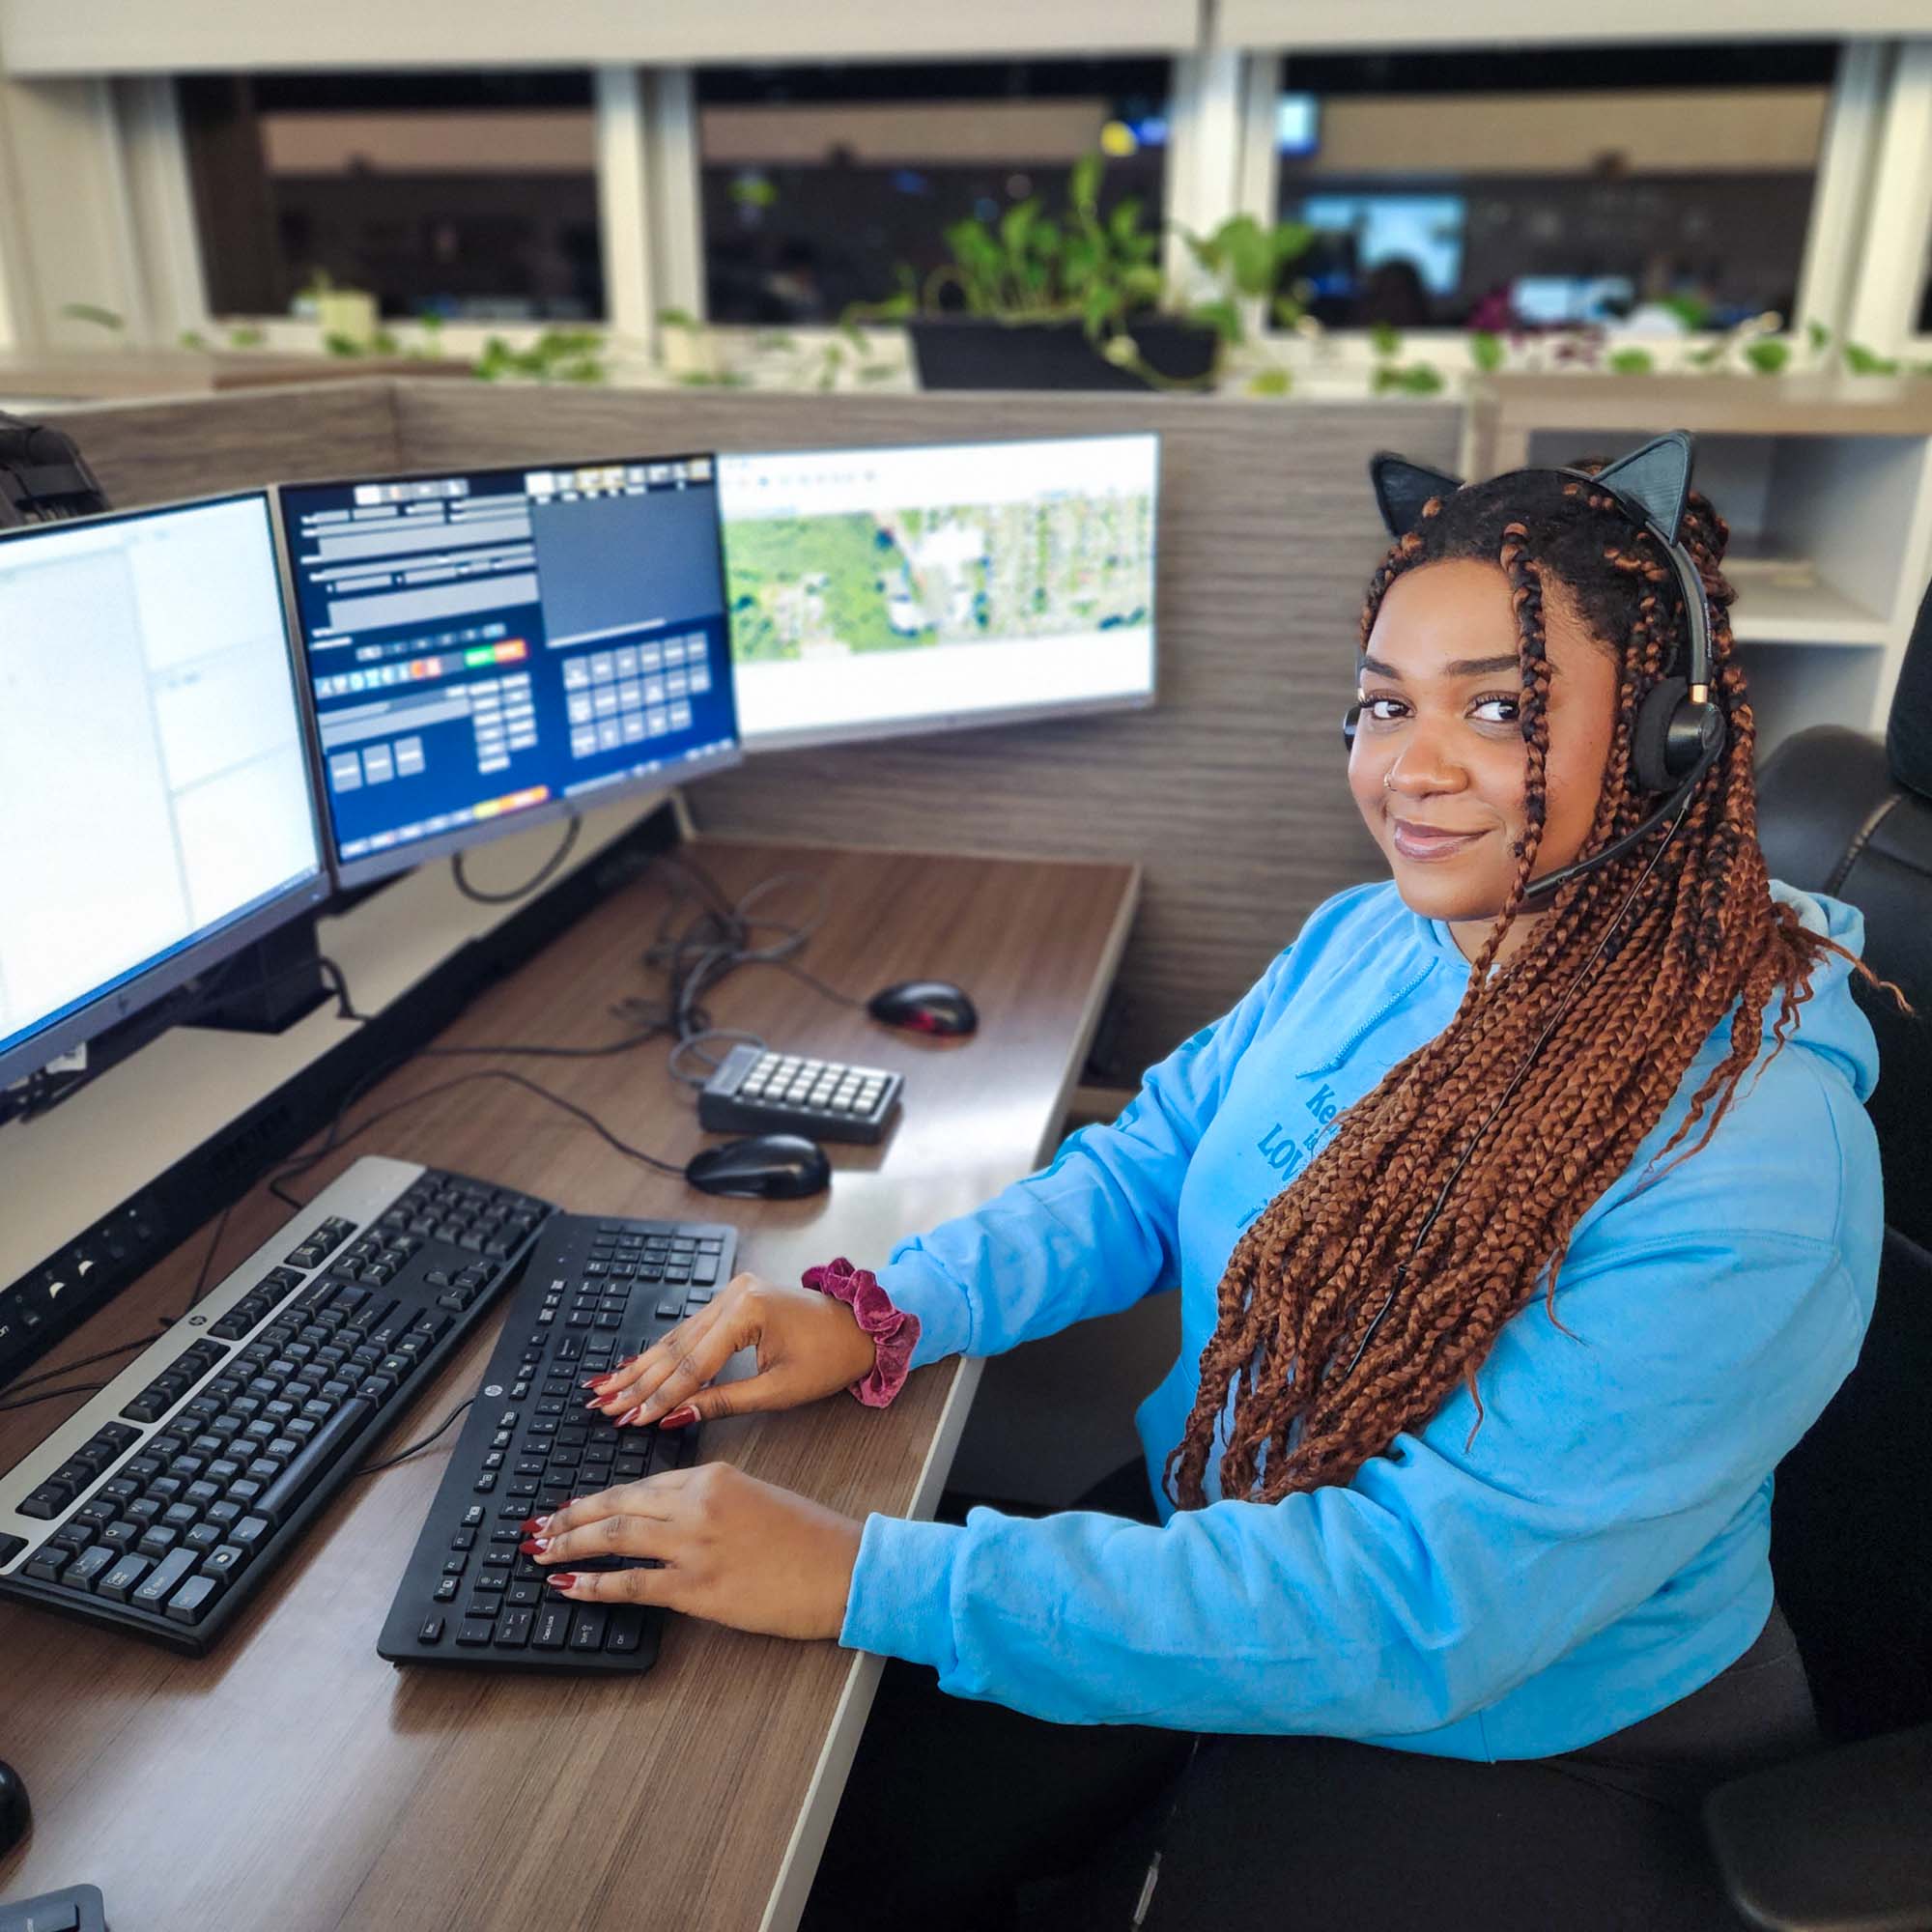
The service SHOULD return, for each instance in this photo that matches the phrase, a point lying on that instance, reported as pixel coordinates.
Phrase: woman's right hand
(809, 1345)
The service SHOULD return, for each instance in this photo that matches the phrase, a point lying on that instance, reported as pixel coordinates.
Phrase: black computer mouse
(761, 1167)
(15, 1813)
(924, 1005)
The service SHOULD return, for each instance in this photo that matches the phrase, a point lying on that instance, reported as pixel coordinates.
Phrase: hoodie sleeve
(1450, 1570)
(1092, 1232)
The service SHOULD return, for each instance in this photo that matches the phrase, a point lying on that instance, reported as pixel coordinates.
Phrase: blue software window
(489, 648)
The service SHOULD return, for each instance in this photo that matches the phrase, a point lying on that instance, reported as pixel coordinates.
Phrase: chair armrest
(1837, 1842)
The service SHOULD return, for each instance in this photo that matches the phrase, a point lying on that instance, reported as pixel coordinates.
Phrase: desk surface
(294, 1779)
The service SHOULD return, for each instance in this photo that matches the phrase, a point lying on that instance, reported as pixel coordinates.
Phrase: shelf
(1782, 603)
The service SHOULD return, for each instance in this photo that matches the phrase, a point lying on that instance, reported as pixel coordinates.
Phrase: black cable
(88, 1361)
(416, 1448)
(49, 1395)
(542, 875)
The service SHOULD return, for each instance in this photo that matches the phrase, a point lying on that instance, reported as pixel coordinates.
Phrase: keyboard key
(474, 1632)
(513, 1628)
(90, 1566)
(166, 1577)
(48, 1561)
(552, 1629)
(430, 1630)
(119, 1582)
(625, 1629)
(586, 1629)
(189, 1604)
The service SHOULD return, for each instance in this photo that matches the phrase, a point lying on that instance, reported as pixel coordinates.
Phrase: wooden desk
(294, 1779)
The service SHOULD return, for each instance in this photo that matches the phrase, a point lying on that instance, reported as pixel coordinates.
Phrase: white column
(1841, 198)
(1204, 151)
(1892, 265)
(161, 198)
(623, 206)
(1261, 158)
(672, 181)
(74, 227)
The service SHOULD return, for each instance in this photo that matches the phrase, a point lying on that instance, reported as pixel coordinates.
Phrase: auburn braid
(1334, 1258)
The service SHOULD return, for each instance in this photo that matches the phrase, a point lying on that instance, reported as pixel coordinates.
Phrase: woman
(1519, 1234)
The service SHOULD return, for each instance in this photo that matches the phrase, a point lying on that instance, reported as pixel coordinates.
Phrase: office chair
(1843, 1840)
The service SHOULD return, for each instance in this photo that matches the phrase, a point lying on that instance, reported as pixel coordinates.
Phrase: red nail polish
(562, 1578)
(629, 1416)
(533, 1546)
(533, 1526)
(681, 1417)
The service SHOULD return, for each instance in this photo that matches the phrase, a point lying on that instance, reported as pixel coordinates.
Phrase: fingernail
(534, 1525)
(593, 1382)
(680, 1417)
(562, 1580)
(533, 1546)
(629, 1416)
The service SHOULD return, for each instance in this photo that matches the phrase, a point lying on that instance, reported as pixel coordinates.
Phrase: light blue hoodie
(1597, 1549)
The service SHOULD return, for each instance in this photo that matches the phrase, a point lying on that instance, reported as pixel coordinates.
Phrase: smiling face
(1439, 759)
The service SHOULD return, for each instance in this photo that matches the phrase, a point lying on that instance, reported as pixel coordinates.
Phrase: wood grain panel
(240, 440)
(1229, 793)
(294, 1779)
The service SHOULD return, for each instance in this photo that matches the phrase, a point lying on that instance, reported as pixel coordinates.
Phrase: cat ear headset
(1678, 728)
(1678, 734)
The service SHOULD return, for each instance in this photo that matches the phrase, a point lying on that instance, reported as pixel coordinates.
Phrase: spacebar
(301, 1475)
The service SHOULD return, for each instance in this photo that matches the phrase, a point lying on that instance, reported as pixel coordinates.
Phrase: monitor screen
(877, 591)
(155, 805)
(488, 649)
(1424, 230)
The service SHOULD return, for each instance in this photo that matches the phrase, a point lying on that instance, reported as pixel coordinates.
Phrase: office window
(473, 196)
(818, 181)
(1650, 187)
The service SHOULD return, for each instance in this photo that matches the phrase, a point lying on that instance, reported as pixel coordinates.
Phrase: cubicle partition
(1229, 792)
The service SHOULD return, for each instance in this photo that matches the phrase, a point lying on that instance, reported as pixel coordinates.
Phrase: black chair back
(1852, 1521)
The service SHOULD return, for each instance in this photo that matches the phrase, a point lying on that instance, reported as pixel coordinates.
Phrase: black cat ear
(1402, 487)
(1655, 480)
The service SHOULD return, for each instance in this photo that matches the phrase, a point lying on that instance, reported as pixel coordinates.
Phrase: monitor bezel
(870, 731)
(144, 986)
(354, 874)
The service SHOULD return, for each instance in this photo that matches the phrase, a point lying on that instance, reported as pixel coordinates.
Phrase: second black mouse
(761, 1167)
(924, 1005)
(15, 1813)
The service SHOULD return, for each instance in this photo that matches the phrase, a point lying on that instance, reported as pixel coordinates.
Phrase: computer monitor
(883, 591)
(489, 648)
(156, 810)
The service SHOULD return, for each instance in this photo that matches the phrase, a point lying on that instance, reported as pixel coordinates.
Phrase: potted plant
(1074, 301)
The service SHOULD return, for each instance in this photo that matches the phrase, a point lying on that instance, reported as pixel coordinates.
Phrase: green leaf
(1017, 224)
(338, 344)
(1123, 224)
(384, 343)
(101, 318)
(1817, 335)
(1269, 383)
(753, 192)
(1485, 350)
(1221, 316)
(1706, 357)
(1631, 361)
(1690, 310)
(1385, 339)
(1863, 361)
(191, 338)
(1292, 239)
(1288, 310)
(1083, 188)
(669, 318)
(247, 335)
(1767, 355)
(1422, 380)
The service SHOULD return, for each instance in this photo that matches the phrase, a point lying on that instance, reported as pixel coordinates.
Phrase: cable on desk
(416, 1448)
(50, 1395)
(541, 876)
(88, 1361)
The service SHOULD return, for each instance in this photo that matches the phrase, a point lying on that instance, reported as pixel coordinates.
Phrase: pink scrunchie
(892, 1330)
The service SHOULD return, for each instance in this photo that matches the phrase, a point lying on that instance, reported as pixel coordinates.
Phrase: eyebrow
(1458, 667)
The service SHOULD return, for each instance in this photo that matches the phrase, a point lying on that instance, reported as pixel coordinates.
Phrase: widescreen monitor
(490, 648)
(882, 591)
(156, 810)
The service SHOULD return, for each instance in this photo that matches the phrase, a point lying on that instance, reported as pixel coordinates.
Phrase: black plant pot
(977, 352)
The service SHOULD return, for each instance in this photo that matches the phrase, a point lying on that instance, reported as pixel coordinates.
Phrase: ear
(1655, 479)
(1402, 487)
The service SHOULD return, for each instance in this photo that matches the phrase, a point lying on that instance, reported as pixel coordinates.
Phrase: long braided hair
(1329, 1262)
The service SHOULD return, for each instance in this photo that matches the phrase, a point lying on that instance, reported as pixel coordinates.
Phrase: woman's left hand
(734, 1550)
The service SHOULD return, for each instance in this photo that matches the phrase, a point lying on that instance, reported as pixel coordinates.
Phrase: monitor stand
(267, 987)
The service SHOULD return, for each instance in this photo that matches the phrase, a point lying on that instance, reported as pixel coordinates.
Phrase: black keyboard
(161, 1506)
(594, 1292)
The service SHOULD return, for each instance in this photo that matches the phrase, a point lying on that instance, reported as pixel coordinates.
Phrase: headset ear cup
(1349, 719)
(1649, 737)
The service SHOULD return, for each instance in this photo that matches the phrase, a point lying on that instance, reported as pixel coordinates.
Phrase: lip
(1426, 842)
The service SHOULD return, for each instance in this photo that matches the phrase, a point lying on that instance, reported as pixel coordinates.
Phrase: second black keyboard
(595, 1291)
